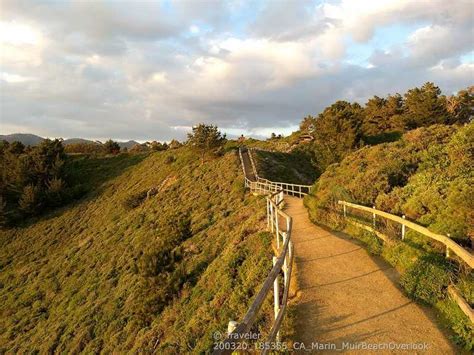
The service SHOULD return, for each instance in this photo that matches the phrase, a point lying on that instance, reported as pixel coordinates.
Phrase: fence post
(373, 216)
(285, 266)
(403, 228)
(277, 228)
(447, 249)
(271, 215)
(231, 326)
(268, 214)
(345, 212)
(276, 297)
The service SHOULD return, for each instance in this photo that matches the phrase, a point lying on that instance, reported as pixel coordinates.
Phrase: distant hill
(79, 140)
(33, 139)
(25, 138)
(127, 144)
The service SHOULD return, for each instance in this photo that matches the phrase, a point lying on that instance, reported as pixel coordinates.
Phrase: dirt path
(346, 295)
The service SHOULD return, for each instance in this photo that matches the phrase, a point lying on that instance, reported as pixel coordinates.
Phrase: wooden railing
(450, 245)
(265, 186)
(281, 263)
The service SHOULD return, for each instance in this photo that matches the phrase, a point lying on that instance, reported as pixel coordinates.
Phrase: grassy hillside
(292, 167)
(120, 271)
(428, 175)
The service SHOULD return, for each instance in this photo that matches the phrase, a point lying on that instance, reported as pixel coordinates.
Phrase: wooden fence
(279, 223)
(265, 186)
(451, 246)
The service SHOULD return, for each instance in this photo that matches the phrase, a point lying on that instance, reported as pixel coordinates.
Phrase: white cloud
(136, 72)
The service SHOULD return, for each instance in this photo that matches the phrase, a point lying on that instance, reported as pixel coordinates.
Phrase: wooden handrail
(450, 245)
(284, 263)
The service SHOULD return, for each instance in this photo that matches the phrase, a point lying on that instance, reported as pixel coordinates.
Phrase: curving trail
(346, 295)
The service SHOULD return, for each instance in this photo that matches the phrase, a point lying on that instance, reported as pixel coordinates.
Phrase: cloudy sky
(150, 70)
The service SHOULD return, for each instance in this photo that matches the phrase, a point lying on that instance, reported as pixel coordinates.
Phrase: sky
(149, 70)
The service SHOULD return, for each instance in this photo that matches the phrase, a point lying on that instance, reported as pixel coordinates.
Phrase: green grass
(292, 167)
(162, 274)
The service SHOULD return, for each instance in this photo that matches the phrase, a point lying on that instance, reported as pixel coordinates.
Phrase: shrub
(428, 279)
(170, 159)
(135, 200)
(30, 199)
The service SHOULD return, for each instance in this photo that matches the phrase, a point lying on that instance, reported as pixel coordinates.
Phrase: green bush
(427, 280)
(135, 200)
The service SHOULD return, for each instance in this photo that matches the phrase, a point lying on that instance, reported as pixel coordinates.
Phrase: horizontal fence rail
(451, 245)
(283, 263)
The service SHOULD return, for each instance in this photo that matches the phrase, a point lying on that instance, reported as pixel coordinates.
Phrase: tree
(308, 124)
(158, 146)
(205, 139)
(16, 148)
(425, 106)
(30, 200)
(337, 132)
(382, 115)
(111, 147)
(174, 144)
(461, 106)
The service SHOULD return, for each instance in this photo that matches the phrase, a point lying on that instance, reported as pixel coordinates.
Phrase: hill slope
(25, 138)
(119, 271)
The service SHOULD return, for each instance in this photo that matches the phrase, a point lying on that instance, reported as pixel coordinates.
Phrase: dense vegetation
(161, 253)
(345, 127)
(291, 167)
(427, 175)
(33, 179)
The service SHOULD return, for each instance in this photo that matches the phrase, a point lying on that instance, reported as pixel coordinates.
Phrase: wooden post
(447, 249)
(373, 216)
(345, 213)
(299, 187)
(285, 266)
(276, 296)
(277, 227)
(231, 326)
(268, 214)
(403, 229)
(271, 215)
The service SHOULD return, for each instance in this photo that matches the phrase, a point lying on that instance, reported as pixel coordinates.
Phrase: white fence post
(268, 214)
(345, 213)
(277, 227)
(285, 266)
(373, 216)
(276, 297)
(231, 326)
(403, 229)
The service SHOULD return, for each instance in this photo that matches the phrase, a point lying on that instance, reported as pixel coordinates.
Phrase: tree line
(36, 178)
(344, 126)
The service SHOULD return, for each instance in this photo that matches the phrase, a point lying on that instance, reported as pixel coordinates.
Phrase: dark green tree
(111, 147)
(425, 106)
(461, 106)
(206, 139)
(337, 131)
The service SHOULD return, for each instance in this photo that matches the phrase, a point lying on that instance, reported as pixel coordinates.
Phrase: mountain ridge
(33, 139)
